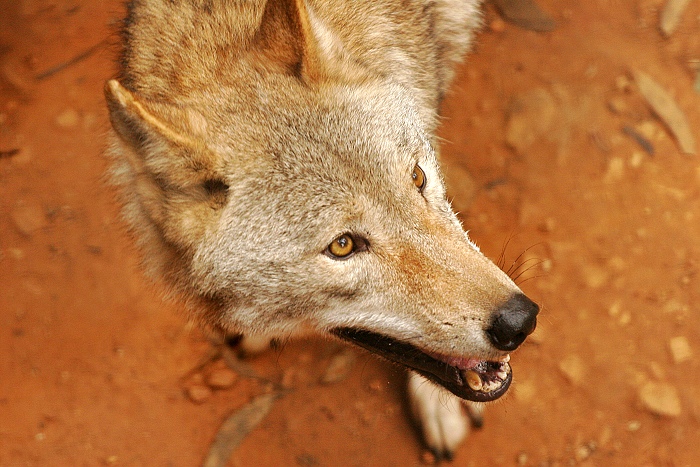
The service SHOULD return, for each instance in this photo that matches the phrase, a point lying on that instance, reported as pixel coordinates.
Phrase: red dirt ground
(95, 366)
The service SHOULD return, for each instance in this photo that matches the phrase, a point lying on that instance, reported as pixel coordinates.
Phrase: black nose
(513, 322)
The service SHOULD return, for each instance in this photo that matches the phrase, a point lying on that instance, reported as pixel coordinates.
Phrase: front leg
(442, 416)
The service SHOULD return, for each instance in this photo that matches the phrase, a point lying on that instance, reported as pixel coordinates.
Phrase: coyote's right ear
(292, 40)
(174, 174)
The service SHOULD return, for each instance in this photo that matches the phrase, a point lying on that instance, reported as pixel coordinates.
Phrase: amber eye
(418, 178)
(342, 246)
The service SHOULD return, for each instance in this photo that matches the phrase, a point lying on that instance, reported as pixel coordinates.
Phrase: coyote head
(294, 189)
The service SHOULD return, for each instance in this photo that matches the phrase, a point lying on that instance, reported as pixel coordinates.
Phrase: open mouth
(472, 379)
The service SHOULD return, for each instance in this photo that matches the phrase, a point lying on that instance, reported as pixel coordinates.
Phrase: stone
(497, 25)
(636, 159)
(660, 398)
(573, 368)
(221, 378)
(525, 391)
(530, 117)
(17, 77)
(618, 105)
(428, 458)
(583, 452)
(28, 218)
(67, 119)
(198, 393)
(615, 171)
(339, 367)
(634, 425)
(680, 349)
(594, 276)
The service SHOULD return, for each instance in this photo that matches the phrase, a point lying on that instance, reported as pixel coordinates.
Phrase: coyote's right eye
(418, 177)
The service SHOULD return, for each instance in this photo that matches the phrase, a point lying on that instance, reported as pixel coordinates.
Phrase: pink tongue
(463, 363)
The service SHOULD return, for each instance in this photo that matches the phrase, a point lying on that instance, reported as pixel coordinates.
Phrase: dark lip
(408, 355)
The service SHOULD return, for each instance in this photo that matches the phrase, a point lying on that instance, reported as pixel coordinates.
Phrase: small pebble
(221, 378)
(636, 159)
(547, 225)
(497, 25)
(28, 218)
(660, 398)
(634, 425)
(531, 116)
(616, 170)
(525, 391)
(594, 276)
(428, 458)
(521, 459)
(67, 119)
(618, 105)
(605, 435)
(649, 130)
(582, 453)
(198, 393)
(339, 367)
(680, 349)
(622, 83)
(17, 77)
(573, 368)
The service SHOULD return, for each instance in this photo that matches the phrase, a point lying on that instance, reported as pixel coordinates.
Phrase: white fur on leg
(440, 414)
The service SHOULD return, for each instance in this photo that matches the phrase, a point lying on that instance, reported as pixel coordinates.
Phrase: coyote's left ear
(175, 155)
(291, 39)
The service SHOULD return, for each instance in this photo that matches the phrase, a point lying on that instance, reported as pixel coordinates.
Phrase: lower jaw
(434, 369)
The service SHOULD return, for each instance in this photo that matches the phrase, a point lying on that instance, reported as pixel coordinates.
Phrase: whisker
(529, 268)
(501, 262)
(530, 278)
(516, 272)
(511, 269)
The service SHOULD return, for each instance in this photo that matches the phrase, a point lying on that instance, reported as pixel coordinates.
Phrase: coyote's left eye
(418, 178)
(345, 246)
(342, 246)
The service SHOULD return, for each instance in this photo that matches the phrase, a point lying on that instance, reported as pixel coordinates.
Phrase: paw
(440, 414)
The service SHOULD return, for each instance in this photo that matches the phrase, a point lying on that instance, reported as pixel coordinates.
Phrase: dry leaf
(236, 428)
(671, 15)
(666, 108)
(526, 14)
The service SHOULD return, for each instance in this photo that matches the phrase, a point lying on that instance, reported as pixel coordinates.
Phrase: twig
(62, 66)
(9, 153)
(639, 139)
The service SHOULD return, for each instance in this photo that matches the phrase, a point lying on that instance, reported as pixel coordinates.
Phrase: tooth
(474, 380)
(492, 386)
(504, 359)
(502, 375)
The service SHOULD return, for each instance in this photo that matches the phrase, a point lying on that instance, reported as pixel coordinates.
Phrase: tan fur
(248, 135)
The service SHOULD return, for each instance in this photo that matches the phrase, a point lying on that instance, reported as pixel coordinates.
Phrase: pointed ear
(173, 155)
(292, 41)
(172, 186)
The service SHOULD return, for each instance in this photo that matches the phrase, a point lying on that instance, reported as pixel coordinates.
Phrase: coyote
(277, 163)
